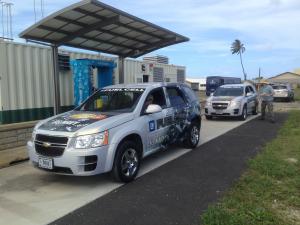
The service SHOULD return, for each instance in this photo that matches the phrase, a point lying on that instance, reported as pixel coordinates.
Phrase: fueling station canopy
(95, 26)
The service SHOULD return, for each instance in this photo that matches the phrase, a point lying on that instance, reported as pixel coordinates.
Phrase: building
(26, 79)
(287, 77)
(157, 59)
(197, 83)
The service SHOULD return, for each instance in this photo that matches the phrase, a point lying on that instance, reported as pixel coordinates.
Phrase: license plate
(46, 163)
(219, 112)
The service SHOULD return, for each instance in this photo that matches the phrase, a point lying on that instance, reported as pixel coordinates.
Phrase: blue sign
(151, 125)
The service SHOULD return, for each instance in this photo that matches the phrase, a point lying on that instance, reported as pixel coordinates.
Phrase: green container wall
(23, 115)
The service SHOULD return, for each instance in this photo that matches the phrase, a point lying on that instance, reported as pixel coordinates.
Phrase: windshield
(279, 87)
(213, 81)
(113, 100)
(229, 91)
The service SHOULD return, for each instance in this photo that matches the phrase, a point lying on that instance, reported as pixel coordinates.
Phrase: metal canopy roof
(92, 25)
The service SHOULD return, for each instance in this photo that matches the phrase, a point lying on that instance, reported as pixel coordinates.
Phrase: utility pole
(6, 20)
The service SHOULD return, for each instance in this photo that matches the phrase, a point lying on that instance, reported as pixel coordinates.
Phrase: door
(250, 99)
(155, 125)
(181, 113)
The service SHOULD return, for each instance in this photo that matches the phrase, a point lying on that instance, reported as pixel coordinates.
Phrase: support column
(54, 49)
(121, 69)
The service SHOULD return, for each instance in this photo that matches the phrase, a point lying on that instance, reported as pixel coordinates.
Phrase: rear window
(175, 96)
(191, 96)
(279, 87)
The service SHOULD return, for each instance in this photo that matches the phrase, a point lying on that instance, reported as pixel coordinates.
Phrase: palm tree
(237, 47)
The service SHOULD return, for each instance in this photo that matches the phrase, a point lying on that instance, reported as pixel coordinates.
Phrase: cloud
(266, 27)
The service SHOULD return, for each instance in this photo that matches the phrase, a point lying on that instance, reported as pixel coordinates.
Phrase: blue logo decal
(151, 125)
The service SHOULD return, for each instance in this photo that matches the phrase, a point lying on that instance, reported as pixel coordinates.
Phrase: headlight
(235, 103)
(33, 135)
(92, 141)
(208, 103)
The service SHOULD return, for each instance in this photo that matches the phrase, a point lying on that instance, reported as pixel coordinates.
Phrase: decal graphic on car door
(156, 124)
(181, 113)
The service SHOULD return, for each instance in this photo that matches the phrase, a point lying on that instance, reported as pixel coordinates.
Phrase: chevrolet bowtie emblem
(46, 144)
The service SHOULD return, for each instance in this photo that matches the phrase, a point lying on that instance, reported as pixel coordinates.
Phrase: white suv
(232, 100)
(115, 128)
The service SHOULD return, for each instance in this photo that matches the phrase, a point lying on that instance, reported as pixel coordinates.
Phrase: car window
(229, 91)
(156, 97)
(175, 96)
(249, 89)
(190, 94)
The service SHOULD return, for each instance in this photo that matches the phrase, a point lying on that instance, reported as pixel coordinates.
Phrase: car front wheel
(127, 162)
(244, 113)
(193, 136)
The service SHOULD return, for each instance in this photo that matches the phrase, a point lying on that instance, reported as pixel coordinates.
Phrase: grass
(297, 94)
(269, 192)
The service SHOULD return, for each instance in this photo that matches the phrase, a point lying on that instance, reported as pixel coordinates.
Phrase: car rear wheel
(127, 162)
(244, 113)
(192, 136)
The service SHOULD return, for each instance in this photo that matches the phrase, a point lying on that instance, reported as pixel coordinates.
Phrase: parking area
(30, 196)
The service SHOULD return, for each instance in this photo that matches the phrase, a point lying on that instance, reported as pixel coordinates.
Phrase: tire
(192, 135)
(244, 113)
(254, 112)
(208, 117)
(127, 162)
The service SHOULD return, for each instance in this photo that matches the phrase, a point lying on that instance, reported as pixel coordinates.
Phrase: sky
(269, 29)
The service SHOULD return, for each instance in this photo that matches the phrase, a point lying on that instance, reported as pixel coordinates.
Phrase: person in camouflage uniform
(266, 94)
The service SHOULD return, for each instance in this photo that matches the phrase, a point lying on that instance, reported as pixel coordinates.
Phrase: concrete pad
(29, 196)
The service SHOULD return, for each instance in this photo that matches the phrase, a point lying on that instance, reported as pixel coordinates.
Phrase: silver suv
(283, 91)
(115, 128)
(232, 100)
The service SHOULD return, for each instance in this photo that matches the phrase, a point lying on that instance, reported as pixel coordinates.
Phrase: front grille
(52, 139)
(219, 105)
(52, 146)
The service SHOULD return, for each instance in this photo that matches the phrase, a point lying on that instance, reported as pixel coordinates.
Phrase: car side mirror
(153, 109)
(249, 94)
(211, 94)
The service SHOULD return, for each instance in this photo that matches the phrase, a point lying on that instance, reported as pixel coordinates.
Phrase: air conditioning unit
(145, 69)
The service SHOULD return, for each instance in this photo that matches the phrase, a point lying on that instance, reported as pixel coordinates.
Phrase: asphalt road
(32, 197)
(179, 191)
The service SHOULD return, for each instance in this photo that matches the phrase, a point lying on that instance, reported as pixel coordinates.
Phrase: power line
(38, 9)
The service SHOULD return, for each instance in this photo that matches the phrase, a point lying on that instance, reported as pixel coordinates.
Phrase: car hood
(85, 122)
(225, 98)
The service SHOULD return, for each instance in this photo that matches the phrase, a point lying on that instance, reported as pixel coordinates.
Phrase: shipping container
(26, 79)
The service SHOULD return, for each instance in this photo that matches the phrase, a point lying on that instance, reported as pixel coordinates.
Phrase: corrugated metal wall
(27, 77)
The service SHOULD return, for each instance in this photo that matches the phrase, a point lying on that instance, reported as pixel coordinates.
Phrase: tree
(237, 47)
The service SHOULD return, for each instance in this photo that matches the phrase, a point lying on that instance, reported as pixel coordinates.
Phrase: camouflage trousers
(269, 105)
